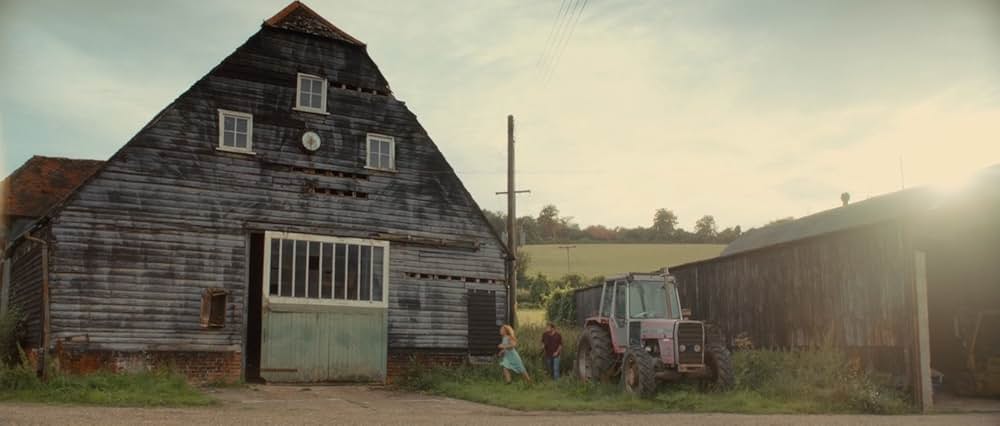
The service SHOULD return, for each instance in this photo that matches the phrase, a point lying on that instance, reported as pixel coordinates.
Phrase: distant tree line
(556, 294)
(550, 227)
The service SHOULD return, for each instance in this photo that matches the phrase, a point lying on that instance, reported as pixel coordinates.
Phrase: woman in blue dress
(509, 358)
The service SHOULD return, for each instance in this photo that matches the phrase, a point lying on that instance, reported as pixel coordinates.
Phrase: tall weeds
(820, 381)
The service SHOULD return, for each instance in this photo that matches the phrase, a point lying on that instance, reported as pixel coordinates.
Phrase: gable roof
(871, 211)
(42, 182)
(867, 212)
(281, 21)
(299, 17)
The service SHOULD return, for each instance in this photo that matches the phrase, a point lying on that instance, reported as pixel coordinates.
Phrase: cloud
(748, 112)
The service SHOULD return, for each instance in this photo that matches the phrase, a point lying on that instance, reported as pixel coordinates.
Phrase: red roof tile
(299, 17)
(42, 182)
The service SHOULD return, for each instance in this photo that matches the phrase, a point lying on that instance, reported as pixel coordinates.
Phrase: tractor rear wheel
(639, 373)
(594, 355)
(718, 362)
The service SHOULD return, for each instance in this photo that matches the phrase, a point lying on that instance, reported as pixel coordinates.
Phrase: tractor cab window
(652, 299)
(607, 302)
(621, 289)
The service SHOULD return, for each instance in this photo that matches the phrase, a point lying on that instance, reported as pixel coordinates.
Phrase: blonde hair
(510, 332)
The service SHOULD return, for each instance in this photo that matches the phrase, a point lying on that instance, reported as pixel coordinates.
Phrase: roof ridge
(279, 18)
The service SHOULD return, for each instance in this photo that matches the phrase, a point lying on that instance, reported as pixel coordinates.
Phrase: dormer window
(235, 132)
(310, 94)
(381, 152)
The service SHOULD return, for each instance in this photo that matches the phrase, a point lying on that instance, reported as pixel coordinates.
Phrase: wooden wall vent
(440, 277)
(353, 88)
(329, 173)
(338, 192)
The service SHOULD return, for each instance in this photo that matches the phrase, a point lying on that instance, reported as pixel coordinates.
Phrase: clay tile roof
(299, 17)
(41, 182)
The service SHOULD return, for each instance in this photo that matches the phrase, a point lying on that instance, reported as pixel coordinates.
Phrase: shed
(883, 279)
(285, 219)
(35, 187)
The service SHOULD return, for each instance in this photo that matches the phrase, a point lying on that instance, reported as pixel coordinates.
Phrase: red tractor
(639, 334)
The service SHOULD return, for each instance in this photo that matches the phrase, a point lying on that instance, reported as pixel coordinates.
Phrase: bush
(18, 376)
(823, 375)
(560, 307)
(11, 332)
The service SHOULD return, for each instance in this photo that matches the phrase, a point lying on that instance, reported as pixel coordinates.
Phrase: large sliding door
(324, 309)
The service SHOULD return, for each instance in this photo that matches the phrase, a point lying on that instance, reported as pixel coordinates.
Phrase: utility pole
(511, 226)
(567, 257)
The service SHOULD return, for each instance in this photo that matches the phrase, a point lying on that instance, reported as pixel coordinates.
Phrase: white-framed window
(235, 131)
(321, 270)
(310, 94)
(381, 152)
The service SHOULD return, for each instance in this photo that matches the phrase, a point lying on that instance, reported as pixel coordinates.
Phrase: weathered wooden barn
(286, 219)
(883, 279)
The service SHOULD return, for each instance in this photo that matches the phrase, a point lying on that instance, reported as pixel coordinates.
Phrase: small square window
(381, 152)
(213, 307)
(310, 94)
(235, 131)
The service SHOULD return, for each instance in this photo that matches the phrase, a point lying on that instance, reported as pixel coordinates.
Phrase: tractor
(641, 336)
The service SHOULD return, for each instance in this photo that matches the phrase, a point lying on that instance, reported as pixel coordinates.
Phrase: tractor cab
(632, 300)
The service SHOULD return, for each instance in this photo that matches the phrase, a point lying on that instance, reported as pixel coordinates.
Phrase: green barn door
(324, 313)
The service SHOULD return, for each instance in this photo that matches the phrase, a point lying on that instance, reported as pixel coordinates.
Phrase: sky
(746, 110)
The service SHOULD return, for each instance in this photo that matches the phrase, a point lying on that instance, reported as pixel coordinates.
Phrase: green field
(607, 259)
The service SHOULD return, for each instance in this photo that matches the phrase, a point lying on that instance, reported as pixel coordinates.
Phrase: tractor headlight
(697, 348)
(682, 348)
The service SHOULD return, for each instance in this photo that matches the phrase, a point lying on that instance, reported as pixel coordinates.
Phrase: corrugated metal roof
(867, 212)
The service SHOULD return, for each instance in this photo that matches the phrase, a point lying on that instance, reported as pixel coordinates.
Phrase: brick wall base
(207, 367)
(197, 366)
(400, 361)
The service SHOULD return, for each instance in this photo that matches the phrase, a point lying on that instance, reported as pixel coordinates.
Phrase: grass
(531, 316)
(606, 259)
(150, 389)
(768, 382)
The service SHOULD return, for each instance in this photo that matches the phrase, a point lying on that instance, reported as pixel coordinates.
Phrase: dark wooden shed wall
(851, 290)
(25, 291)
(169, 214)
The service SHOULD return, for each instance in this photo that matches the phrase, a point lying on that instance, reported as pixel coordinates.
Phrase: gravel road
(274, 405)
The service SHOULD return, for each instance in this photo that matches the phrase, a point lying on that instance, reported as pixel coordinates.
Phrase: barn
(891, 280)
(285, 219)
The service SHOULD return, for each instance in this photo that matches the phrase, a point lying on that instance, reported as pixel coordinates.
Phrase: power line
(562, 48)
(561, 34)
(562, 24)
(552, 32)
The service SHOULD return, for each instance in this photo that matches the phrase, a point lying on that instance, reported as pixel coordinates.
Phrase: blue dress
(511, 360)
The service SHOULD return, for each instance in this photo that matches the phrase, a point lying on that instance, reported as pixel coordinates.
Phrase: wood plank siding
(25, 290)
(170, 215)
(850, 290)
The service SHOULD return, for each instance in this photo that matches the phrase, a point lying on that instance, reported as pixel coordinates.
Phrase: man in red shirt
(552, 342)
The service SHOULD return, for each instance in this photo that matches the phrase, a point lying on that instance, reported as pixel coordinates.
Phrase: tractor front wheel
(719, 364)
(594, 355)
(639, 373)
